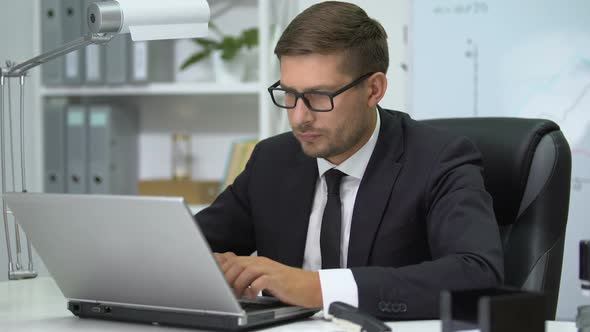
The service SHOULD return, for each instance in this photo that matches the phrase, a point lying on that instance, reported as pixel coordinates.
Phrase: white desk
(38, 305)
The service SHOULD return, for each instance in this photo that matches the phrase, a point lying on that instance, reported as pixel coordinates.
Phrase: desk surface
(38, 305)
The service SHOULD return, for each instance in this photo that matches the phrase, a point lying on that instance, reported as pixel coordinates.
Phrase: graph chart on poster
(526, 58)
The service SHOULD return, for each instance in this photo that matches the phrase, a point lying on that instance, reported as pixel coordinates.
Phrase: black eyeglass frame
(301, 95)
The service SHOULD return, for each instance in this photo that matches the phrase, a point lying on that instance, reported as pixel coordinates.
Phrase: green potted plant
(225, 53)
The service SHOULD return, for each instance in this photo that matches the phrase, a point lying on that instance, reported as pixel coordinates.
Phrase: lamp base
(21, 275)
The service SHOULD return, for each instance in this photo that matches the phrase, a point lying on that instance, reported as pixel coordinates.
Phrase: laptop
(139, 259)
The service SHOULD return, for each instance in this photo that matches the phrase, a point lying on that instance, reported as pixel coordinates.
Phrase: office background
(465, 58)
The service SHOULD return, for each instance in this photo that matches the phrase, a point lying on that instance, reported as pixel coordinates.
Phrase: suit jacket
(422, 219)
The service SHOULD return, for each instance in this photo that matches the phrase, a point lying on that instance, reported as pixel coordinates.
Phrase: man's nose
(301, 113)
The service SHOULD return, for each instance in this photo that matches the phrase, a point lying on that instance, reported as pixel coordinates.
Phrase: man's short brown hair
(333, 27)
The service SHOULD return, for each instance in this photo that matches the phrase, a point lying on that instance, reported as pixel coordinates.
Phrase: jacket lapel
(375, 188)
(297, 196)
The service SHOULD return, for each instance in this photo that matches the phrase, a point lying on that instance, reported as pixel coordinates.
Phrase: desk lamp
(144, 20)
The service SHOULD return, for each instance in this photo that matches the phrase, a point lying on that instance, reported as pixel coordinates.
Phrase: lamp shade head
(150, 19)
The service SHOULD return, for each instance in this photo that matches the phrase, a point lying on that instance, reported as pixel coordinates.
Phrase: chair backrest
(527, 170)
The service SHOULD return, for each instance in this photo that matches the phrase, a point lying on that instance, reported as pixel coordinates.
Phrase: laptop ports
(74, 308)
(101, 309)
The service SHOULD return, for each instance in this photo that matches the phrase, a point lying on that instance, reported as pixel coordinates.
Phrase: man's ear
(376, 87)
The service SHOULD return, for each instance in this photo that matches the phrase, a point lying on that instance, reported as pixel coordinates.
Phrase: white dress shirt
(337, 284)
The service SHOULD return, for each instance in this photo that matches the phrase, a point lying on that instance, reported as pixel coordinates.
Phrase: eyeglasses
(317, 101)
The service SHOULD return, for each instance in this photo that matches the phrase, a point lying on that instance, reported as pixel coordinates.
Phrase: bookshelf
(155, 89)
(237, 110)
(215, 114)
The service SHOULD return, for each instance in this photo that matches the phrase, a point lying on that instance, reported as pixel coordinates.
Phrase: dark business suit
(422, 219)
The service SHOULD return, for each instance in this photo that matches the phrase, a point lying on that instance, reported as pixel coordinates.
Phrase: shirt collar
(356, 164)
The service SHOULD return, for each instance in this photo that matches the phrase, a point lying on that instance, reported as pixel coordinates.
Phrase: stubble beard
(336, 142)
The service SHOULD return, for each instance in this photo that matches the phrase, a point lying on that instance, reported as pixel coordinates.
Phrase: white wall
(531, 64)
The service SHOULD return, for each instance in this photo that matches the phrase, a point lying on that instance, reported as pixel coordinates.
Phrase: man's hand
(248, 275)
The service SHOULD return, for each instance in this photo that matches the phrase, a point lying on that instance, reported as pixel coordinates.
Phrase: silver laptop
(136, 258)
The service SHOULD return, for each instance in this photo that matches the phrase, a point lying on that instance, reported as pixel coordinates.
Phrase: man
(357, 204)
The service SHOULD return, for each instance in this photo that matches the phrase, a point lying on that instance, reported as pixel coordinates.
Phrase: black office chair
(527, 170)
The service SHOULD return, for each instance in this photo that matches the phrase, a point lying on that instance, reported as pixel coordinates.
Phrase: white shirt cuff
(338, 285)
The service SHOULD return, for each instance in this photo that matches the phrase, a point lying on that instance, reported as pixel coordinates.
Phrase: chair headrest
(507, 146)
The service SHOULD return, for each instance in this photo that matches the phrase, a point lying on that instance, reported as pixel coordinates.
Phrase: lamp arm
(91, 38)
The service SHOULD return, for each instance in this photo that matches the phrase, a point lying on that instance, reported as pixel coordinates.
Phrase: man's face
(334, 135)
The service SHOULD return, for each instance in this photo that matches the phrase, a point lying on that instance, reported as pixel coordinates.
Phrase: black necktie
(331, 222)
